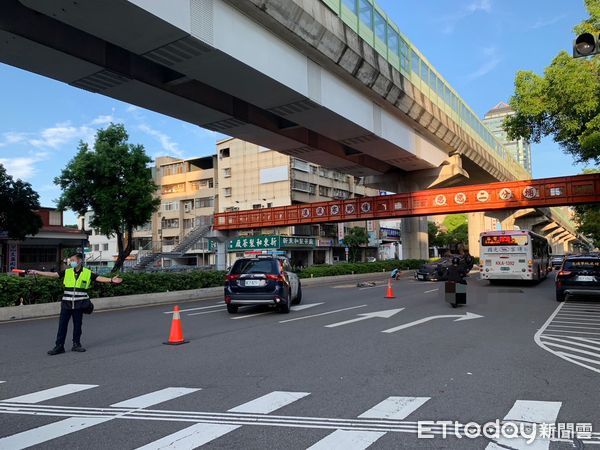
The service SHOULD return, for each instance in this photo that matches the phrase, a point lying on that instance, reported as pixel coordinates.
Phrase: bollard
(312, 275)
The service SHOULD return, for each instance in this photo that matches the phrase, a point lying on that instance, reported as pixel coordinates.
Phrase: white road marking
(431, 290)
(191, 437)
(347, 440)
(303, 307)
(458, 318)
(47, 394)
(48, 432)
(372, 287)
(574, 326)
(196, 309)
(322, 314)
(206, 312)
(292, 308)
(269, 403)
(379, 314)
(203, 433)
(531, 412)
(396, 408)
(153, 398)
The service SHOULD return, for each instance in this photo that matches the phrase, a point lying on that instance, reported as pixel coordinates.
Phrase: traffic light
(586, 44)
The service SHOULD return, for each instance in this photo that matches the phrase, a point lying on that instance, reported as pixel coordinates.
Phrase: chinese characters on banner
(241, 244)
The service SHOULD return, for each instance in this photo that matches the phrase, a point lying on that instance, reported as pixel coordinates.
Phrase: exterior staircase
(178, 251)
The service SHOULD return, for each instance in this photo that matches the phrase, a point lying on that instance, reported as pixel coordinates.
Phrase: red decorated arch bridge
(562, 191)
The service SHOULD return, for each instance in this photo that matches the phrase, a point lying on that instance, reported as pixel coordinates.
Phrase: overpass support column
(476, 223)
(415, 241)
(220, 239)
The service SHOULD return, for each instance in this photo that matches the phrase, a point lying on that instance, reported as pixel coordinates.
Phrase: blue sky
(477, 45)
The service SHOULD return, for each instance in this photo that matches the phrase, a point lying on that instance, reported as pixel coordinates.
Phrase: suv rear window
(582, 264)
(255, 266)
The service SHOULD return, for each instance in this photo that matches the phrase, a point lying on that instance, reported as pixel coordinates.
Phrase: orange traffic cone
(390, 292)
(176, 334)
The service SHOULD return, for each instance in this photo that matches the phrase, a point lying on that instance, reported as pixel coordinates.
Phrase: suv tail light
(275, 277)
(563, 273)
(232, 277)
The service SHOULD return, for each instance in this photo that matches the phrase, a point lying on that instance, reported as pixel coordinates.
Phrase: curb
(45, 310)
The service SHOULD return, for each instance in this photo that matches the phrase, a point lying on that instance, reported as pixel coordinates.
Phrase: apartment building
(253, 177)
(187, 189)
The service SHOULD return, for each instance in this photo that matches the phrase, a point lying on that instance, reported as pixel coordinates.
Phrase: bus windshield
(491, 241)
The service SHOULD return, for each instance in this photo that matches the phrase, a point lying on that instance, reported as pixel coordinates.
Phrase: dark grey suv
(578, 275)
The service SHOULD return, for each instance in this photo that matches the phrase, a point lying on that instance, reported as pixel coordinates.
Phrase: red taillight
(275, 277)
(232, 277)
(563, 273)
(227, 299)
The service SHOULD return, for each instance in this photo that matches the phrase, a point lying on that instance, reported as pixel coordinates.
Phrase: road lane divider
(321, 314)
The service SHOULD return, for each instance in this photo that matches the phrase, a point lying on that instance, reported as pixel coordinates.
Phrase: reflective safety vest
(76, 288)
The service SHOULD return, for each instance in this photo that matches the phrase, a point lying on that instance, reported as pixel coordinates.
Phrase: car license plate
(252, 283)
(420, 277)
(505, 268)
(585, 278)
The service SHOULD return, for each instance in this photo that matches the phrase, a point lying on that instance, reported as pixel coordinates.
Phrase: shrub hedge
(326, 270)
(45, 290)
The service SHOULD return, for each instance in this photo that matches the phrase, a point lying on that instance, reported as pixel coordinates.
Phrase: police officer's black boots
(57, 350)
(77, 348)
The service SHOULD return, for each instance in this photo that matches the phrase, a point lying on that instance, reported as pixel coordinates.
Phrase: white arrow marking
(467, 316)
(381, 314)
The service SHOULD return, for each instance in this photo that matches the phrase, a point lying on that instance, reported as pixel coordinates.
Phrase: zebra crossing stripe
(347, 440)
(531, 412)
(396, 408)
(203, 433)
(143, 401)
(191, 437)
(48, 432)
(54, 430)
(47, 394)
(269, 403)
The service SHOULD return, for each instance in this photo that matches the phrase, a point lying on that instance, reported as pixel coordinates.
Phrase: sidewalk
(12, 313)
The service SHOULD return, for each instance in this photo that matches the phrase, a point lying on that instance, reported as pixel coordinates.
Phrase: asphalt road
(317, 376)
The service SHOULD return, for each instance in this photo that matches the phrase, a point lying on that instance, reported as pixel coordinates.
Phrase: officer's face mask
(73, 264)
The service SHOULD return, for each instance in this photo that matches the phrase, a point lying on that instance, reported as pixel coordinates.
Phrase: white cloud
(166, 142)
(492, 59)
(23, 167)
(542, 23)
(12, 137)
(450, 21)
(480, 5)
(103, 120)
(60, 134)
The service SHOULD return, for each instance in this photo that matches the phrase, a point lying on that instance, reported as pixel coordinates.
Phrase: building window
(224, 153)
(393, 41)
(104, 247)
(351, 5)
(232, 209)
(173, 188)
(365, 13)
(269, 205)
(227, 192)
(340, 193)
(324, 191)
(188, 223)
(171, 206)
(257, 206)
(171, 240)
(303, 186)
(298, 164)
(227, 172)
(146, 227)
(55, 218)
(172, 169)
(313, 169)
(32, 255)
(170, 223)
(205, 202)
(380, 26)
(96, 247)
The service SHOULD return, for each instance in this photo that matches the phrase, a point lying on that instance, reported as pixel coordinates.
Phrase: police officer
(455, 272)
(76, 280)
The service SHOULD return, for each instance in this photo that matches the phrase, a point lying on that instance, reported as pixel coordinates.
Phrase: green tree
(587, 218)
(354, 239)
(454, 231)
(435, 234)
(18, 205)
(564, 103)
(114, 181)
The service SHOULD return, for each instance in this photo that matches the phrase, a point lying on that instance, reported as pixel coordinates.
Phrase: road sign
(380, 314)
(459, 317)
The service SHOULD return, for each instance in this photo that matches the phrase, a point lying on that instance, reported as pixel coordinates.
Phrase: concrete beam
(558, 230)
(551, 226)
(559, 236)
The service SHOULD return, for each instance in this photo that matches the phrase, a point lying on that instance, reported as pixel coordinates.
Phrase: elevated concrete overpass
(315, 79)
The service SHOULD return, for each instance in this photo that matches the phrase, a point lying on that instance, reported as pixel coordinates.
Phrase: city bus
(513, 255)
